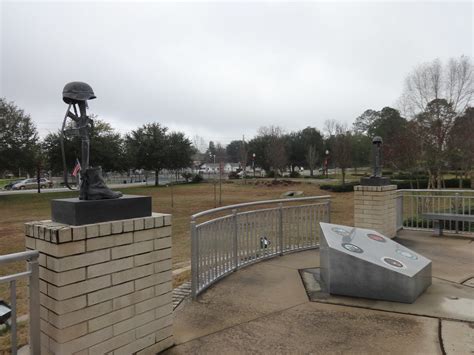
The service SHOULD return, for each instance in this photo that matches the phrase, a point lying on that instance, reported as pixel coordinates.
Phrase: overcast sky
(221, 70)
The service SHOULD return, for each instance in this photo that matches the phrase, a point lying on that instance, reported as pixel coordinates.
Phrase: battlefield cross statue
(376, 179)
(377, 156)
(93, 187)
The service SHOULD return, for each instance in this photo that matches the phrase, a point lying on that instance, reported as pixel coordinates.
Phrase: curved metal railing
(228, 242)
(412, 204)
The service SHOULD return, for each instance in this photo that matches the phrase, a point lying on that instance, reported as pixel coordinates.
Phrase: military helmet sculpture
(93, 187)
(77, 91)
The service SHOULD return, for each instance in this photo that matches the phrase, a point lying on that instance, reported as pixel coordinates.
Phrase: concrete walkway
(264, 309)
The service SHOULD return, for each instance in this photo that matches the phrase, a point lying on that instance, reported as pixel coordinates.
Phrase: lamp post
(213, 156)
(327, 164)
(253, 164)
(221, 167)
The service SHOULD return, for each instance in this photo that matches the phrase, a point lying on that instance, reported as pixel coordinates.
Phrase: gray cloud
(221, 70)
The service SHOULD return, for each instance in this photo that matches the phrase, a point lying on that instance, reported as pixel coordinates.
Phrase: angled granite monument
(96, 202)
(363, 263)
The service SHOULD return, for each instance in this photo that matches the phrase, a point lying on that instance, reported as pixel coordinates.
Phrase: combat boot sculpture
(93, 186)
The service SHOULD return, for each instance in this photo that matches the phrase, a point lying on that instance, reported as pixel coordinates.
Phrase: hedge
(348, 187)
(423, 183)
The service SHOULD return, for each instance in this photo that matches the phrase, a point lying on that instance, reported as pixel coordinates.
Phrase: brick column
(104, 288)
(375, 208)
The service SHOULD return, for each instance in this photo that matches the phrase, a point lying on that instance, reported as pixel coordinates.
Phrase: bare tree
(453, 82)
(330, 127)
(311, 158)
(435, 123)
(435, 94)
(199, 143)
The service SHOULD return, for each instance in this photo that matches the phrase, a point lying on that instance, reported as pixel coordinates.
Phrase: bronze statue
(377, 156)
(93, 187)
(376, 179)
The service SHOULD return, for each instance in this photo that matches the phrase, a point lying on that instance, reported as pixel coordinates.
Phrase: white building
(214, 168)
(210, 168)
(231, 167)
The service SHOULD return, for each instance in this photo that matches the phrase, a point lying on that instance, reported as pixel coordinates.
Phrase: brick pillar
(375, 208)
(106, 287)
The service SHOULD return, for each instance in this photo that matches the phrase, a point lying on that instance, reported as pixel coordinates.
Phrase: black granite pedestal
(375, 181)
(77, 212)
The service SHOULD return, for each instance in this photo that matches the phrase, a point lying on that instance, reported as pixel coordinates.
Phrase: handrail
(255, 203)
(436, 190)
(202, 224)
(16, 276)
(21, 256)
(32, 273)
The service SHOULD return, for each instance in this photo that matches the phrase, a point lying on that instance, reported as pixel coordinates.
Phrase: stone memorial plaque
(364, 263)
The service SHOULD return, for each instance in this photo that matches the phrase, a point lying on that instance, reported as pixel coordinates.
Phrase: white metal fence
(228, 242)
(32, 273)
(413, 204)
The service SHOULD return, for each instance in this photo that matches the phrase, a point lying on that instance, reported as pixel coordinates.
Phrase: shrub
(348, 187)
(409, 176)
(405, 184)
(454, 183)
(233, 175)
(197, 178)
(187, 176)
(295, 174)
(316, 177)
(423, 183)
(271, 174)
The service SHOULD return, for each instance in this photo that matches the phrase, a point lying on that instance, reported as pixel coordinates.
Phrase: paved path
(264, 309)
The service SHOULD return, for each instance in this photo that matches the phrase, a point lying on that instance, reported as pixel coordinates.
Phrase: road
(64, 189)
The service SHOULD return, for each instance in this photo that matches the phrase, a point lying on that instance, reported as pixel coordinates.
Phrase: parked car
(10, 184)
(32, 184)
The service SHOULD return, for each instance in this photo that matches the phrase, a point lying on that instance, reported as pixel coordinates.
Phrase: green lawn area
(15, 210)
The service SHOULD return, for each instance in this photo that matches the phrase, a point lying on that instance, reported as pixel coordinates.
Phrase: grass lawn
(15, 210)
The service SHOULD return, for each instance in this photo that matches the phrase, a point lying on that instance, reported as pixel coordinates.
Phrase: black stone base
(77, 212)
(374, 181)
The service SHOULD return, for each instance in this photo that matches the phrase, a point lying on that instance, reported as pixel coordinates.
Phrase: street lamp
(215, 192)
(327, 164)
(253, 164)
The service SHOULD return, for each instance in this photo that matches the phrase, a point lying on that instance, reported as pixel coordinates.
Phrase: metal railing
(412, 204)
(231, 241)
(32, 273)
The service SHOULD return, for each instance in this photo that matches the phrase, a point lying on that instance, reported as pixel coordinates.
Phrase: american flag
(77, 168)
